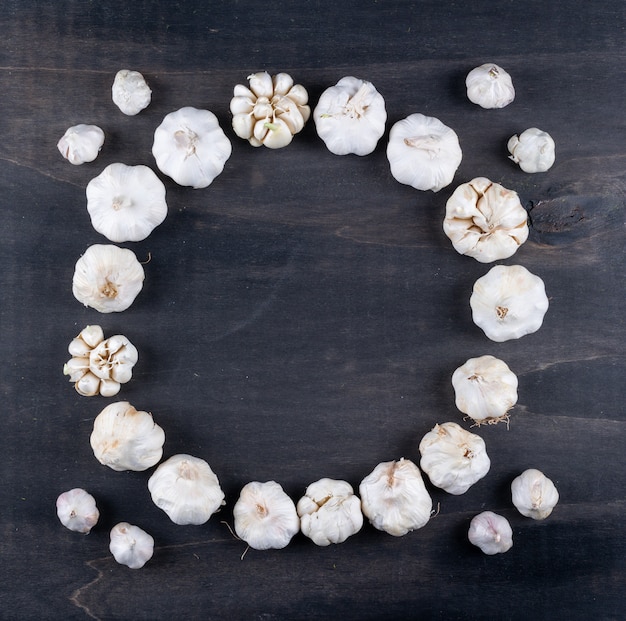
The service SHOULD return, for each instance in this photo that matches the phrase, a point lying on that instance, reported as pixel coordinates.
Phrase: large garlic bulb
(534, 494)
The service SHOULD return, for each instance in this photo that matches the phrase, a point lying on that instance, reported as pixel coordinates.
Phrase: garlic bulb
(489, 86)
(534, 494)
(485, 389)
(124, 438)
(423, 152)
(126, 203)
(394, 497)
(350, 117)
(271, 111)
(486, 221)
(77, 510)
(490, 532)
(81, 143)
(130, 545)
(130, 92)
(329, 512)
(508, 302)
(107, 278)
(187, 489)
(190, 147)
(453, 458)
(265, 517)
(533, 150)
(99, 365)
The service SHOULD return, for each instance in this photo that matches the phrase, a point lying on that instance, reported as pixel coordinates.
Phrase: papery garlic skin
(485, 389)
(394, 497)
(265, 516)
(130, 545)
(187, 489)
(77, 510)
(490, 532)
(508, 302)
(350, 117)
(271, 111)
(124, 438)
(534, 494)
(453, 458)
(485, 221)
(490, 86)
(329, 512)
(81, 143)
(130, 93)
(423, 152)
(107, 278)
(126, 203)
(99, 365)
(190, 147)
(533, 150)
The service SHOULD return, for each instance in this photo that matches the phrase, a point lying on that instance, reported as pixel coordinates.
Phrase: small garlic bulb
(394, 497)
(130, 93)
(490, 532)
(81, 143)
(77, 510)
(187, 489)
(329, 512)
(107, 278)
(490, 86)
(265, 516)
(485, 389)
(130, 545)
(453, 458)
(533, 150)
(534, 494)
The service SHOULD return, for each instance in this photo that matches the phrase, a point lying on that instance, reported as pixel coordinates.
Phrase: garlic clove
(490, 532)
(534, 494)
(130, 545)
(274, 135)
(241, 104)
(90, 336)
(282, 83)
(88, 385)
(130, 93)
(81, 143)
(489, 86)
(77, 511)
(261, 84)
(533, 150)
(109, 387)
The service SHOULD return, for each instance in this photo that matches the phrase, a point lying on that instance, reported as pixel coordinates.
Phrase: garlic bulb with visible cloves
(489, 86)
(533, 150)
(265, 516)
(130, 93)
(453, 458)
(77, 510)
(490, 532)
(130, 545)
(329, 512)
(394, 497)
(187, 489)
(534, 494)
(81, 143)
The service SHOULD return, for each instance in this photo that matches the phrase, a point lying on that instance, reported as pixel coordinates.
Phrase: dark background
(301, 317)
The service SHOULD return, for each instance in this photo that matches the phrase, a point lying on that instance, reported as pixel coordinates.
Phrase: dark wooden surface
(302, 316)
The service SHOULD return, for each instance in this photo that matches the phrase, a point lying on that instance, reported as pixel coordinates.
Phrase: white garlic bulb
(99, 365)
(489, 86)
(270, 111)
(265, 516)
(490, 532)
(77, 510)
(485, 221)
(423, 152)
(508, 302)
(534, 494)
(350, 117)
(187, 489)
(130, 93)
(130, 545)
(107, 278)
(329, 512)
(485, 389)
(81, 143)
(533, 150)
(453, 458)
(124, 438)
(126, 203)
(190, 147)
(394, 497)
